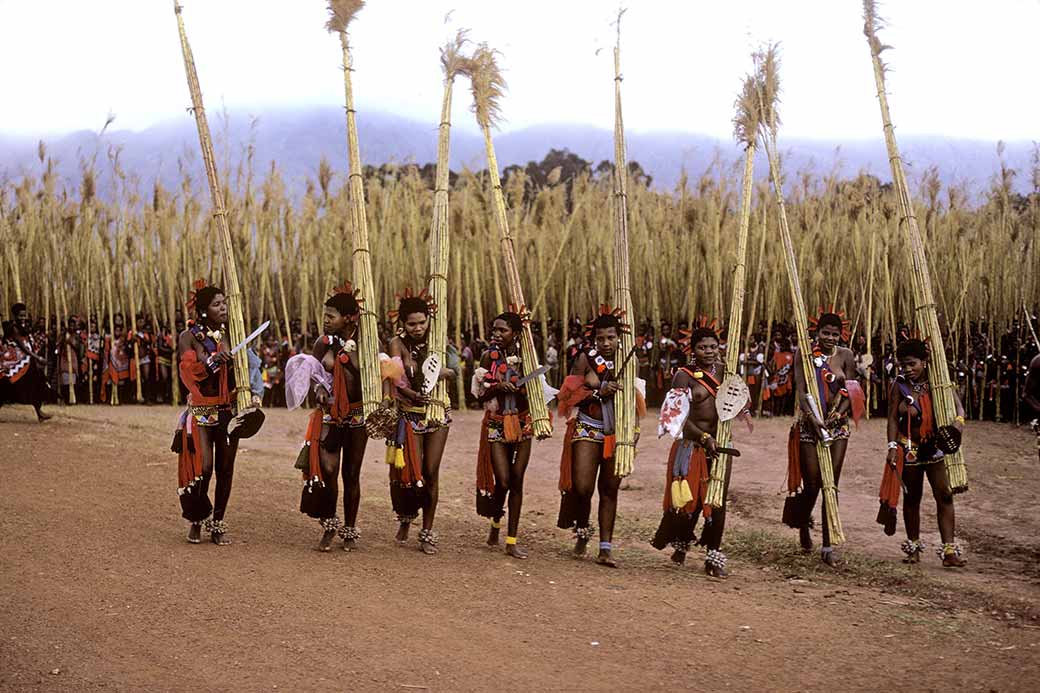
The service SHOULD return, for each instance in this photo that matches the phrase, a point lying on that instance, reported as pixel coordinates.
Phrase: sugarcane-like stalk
(114, 400)
(132, 290)
(768, 92)
(926, 315)
(625, 400)
(746, 123)
(341, 12)
(487, 88)
(236, 324)
(868, 388)
(440, 236)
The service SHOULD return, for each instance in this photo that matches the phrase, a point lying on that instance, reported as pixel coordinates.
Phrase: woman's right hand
(506, 386)
(893, 457)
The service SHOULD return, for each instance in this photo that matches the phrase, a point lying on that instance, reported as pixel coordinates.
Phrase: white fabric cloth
(300, 371)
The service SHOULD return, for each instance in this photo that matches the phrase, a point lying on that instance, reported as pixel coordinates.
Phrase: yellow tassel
(685, 492)
(389, 456)
(677, 501)
(399, 458)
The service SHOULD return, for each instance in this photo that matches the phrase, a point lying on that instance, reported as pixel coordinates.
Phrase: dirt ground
(100, 591)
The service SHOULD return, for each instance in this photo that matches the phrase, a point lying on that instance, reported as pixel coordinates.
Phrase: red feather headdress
(846, 325)
(423, 296)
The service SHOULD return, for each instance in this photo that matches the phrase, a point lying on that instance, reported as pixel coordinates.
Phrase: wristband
(959, 419)
(705, 437)
(892, 445)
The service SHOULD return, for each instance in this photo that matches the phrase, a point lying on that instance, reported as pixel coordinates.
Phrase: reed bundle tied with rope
(745, 129)
(488, 86)
(341, 12)
(768, 93)
(625, 403)
(926, 315)
(236, 322)
(440, 237)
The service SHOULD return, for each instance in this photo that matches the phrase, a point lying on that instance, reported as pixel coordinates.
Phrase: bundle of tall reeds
(488, 86)
(236, 322)
(341, 12)
(440, 236)
(925, 313)
(767, 90)
(746, 131)
(624, 405)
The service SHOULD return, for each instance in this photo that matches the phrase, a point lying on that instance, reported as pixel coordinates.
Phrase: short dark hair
(18, 308)
(606, 321)
(205, 296)
(344, 303)
(702, 333)
(514, 320)
(410, 305)
(830, 319)
(915, 348)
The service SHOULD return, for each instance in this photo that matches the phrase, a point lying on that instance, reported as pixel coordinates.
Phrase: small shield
(732, 397)
(431, 369)
(246, 423)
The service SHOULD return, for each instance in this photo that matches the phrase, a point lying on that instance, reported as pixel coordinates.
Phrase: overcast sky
(961, 68)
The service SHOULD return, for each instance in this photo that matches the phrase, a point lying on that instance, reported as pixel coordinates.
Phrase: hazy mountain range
(297, 140)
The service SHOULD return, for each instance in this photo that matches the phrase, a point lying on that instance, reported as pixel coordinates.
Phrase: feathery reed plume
(440, 236)
(341, 12)
(745, 127)
(768, 86)
(236, 322)
(488, 87)
(925, 311)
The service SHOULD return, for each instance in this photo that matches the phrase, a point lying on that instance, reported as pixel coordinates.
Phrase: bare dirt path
(99, 590)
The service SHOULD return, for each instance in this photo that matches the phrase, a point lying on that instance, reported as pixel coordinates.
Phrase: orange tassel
(891, 482)
(927, 417)
(609, 443)
(485, 474)
(314, 438)
(511, 432)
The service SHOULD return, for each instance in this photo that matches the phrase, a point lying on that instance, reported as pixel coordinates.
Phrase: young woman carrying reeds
(505, 438)
(415, 452)
(917, 446)
(207, 370)
(21, 379)
(835, 368)
(337, 426)
(586, 400)
(689, 413)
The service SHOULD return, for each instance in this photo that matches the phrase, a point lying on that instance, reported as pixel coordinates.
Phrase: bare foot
(952, 560)
(402, 533)
(515, 551)
(195, 533)
(492, 539)
(678, 557)
(41, 417)
(605, 559)
(219, 538)
(326, 540)
(829, 558)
